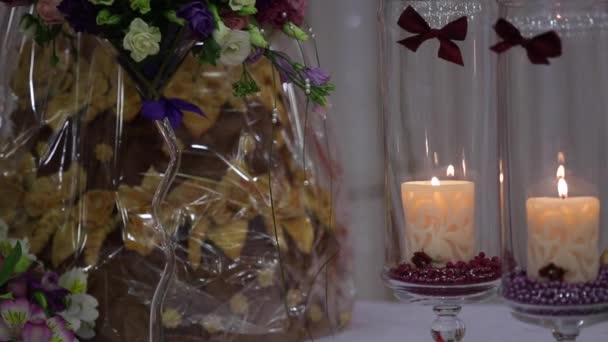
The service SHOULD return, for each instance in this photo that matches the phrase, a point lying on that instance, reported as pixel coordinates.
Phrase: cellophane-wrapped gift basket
(167, 174)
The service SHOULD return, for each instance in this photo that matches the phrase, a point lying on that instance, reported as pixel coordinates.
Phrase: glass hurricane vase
(552, 138)
(442, 240)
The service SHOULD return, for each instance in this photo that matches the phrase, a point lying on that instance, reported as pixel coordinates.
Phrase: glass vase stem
(166, 239)
(447, 327)
(567, 332)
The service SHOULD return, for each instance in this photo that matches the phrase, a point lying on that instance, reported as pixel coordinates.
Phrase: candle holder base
(447, 301)
(565, 325)
(565, 336)
(447, 327)
(441, 294)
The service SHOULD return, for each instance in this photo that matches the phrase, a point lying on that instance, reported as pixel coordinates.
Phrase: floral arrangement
(152, 35)
(38, 305)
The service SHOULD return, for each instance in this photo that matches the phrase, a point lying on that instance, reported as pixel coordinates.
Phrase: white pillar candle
(564, 231)
(440, 219)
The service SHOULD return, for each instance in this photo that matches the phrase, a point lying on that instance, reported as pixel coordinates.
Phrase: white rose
(142, 40)
(237, 5)
(235, 47)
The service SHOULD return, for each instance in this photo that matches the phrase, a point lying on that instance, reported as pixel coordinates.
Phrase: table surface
(398, 322)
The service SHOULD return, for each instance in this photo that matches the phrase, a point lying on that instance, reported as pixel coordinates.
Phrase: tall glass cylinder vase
(552, 114)
(442, 240)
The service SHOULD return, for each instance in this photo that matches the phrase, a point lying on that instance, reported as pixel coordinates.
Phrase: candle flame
(435, 181)
(561, 172)
(450, 172)
(562, 188)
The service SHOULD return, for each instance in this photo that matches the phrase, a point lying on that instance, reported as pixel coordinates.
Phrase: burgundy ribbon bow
(413, 22)
(172, 109)
(539, 48)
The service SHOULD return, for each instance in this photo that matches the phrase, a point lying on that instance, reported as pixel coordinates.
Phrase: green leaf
(141, 6)
(7, 296)
(210, 52)
(247, 11)
(9, 263)
(246, 85)
(172, 17)
(243, 88)
(105, 17)
(40, 298)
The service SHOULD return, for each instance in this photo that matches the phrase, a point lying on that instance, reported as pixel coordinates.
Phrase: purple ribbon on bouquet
(172, 109)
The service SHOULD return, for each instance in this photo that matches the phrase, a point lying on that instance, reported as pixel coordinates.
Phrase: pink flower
(36, 332)
(48, 12)
(14, 316)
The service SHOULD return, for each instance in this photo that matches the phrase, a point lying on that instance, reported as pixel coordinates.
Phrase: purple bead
(520, 288)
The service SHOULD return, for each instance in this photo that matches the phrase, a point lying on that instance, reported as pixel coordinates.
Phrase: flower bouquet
(39, 305)
(246, 237)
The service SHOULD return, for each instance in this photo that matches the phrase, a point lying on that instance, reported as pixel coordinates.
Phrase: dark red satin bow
(539, 48)
(413, 22)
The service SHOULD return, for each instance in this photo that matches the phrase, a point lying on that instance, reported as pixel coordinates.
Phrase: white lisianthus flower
(81, 314)
(235, 46)
(237, 5)
(142, 40)
(74, 280)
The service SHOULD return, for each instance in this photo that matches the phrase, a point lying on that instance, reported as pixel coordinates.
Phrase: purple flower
(81, 14)
(199, 18)
(255, 55)
(18, 287)
(55, 295)
(60, 329)
(14, 317)
(317, 76)
(50, 281)
(285, 68)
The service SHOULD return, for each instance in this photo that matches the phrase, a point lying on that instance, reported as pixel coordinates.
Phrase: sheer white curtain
(348, 45)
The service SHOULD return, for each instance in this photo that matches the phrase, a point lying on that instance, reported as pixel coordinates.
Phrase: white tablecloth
(388, 322)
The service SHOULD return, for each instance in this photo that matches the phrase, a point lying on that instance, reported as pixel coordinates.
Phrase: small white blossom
(235, 46)
(74, 280)
(81, 314)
